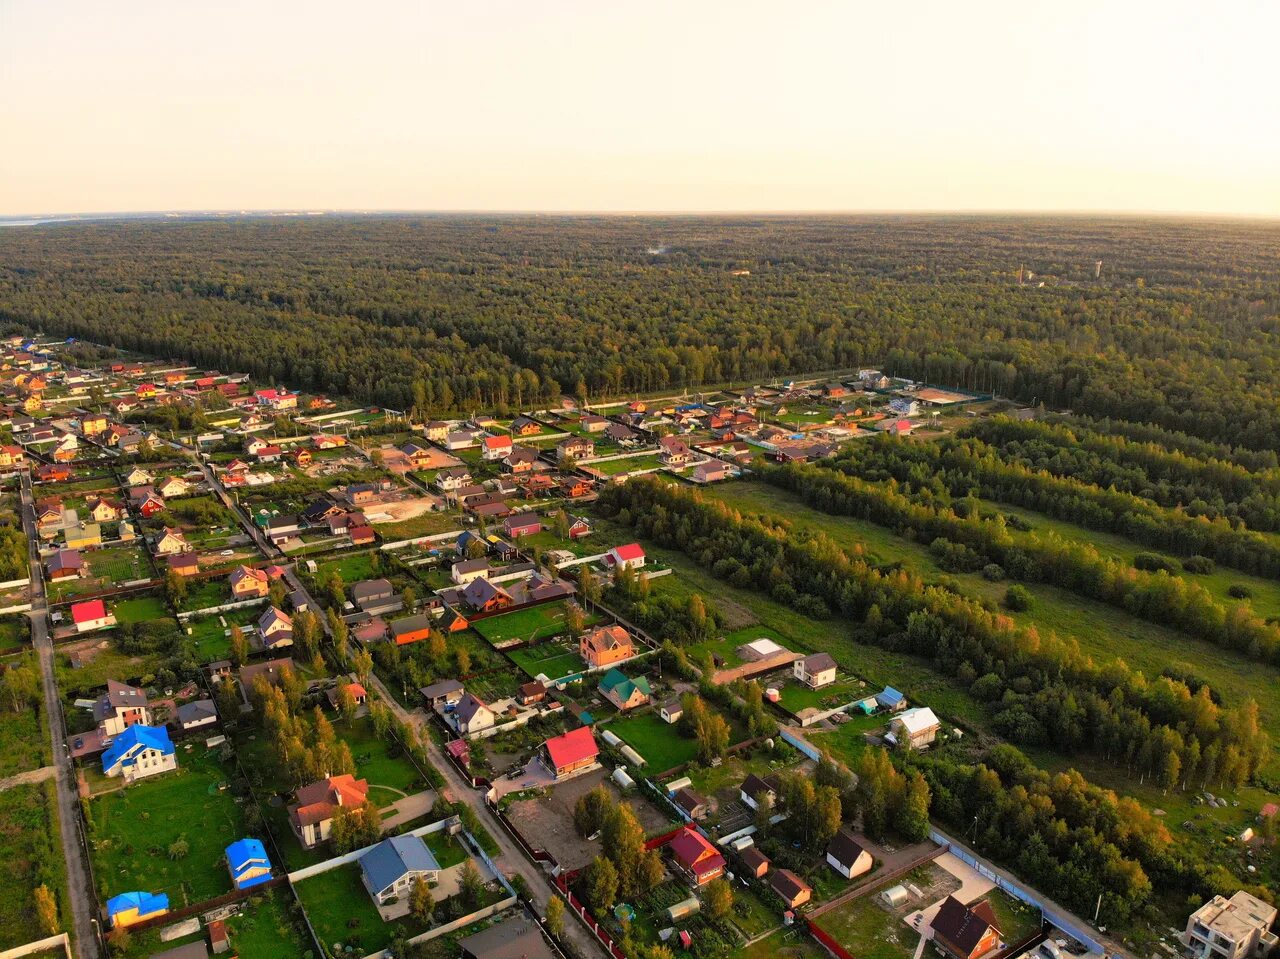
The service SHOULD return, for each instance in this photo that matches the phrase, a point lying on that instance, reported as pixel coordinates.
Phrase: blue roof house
(390, 868)
(248, 863)
(131, 907)
(890, 699)
(138, 752)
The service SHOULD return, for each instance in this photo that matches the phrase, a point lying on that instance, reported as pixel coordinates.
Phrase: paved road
(83, 904)
(268, 548)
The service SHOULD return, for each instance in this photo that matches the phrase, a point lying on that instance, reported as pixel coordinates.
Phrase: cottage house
(692, 804)
(411, 629)
(275, 629)
(65, 564)
(623, 691)
(442, 693)
(120, 707)
(605, 645)
(472, 715)
(965, 932)
(249, 583)
(90, 615)
(495, 448)
(918, 727)
(171, 541)
(130, 908)
(311, 816)
(567, 754)
(139, 751)
(196, 715)
(575, 448)
(521, 524)
(248, 863)
(630, 556)
(847, 857)
(390, 868)
(815, 671)
(695, 858)
(755, 790)
(791, 889)
(485, 597)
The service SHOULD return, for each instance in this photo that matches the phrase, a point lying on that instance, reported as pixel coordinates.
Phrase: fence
(50, 944)
(1067, 923)
(307, 872)
(805, 747)
(236, 895)
(225, 607)
(827, 942)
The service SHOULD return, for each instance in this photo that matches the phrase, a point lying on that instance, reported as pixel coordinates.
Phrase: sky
(698, 105)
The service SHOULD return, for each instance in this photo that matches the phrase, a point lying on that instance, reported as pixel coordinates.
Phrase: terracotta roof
(320, 800)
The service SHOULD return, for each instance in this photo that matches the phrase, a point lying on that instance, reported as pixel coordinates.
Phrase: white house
(846, 856)
(390, 868)
(920, 727)
(630, 556)
(138, 752)
(472, 715)
(815, 671)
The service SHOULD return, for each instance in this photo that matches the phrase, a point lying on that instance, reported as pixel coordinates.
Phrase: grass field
(118, 564)
(15, 633)
(725, 647)
(139, 609)
(24, 743)
(262, 928)
(641, 461)
(531, 624)
(352, 567)
(660, 743)
(1014, 918)
(869, 931)
(211, 638)
(341, 911)
(846, 742)
(555, 658)
(33, 856)
(133, 828)
(796, 696)
(424, 524)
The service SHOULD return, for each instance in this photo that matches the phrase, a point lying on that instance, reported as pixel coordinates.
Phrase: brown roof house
(318, 803)
(965, 932)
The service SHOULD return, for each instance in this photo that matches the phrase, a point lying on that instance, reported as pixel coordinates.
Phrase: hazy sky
(654, 105)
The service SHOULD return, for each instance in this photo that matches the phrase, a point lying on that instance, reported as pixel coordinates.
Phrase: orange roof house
(605, 645)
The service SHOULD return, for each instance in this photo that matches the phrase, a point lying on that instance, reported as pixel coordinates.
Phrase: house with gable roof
(390, 868)
(138, 752)
(312, 815)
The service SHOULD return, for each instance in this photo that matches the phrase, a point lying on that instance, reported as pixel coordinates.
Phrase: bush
(1237, 591)
(1017, 598)
(1154, 563)
(993, 572)
(1198, 564)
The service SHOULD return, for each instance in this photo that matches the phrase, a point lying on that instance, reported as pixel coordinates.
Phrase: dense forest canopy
(453, 312)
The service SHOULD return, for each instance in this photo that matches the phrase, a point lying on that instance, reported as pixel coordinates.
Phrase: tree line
(1042, 690)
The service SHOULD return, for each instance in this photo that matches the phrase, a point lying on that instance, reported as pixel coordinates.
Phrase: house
(272, 671)
(359, 695)
(120, 707)
(964, 932)
(372, 593)
(138, 752)
(341, 523)
(65, 564)
(593, 423)
(11, 455)
(319, 510)
(90, 615)
(105, 511)
(918, 726)
(361, 535)
(249, 583)
(311, 816)
(53, 473)
(623, 691)
(754, 790)
(712, 471)
(574, 448)
(692, 804)
(815, 671)
(452, 479)
(495, 448)
(579, 528)
(172, 486)
(524, 426)
(171, 541)
(890, 699)
(516, 938)
(459, 440)
(520, 460)
(484, 597)
(847, 857)
(671, 711)
(472, 715)
(248, 863)
(531, 692)
(567, 754)
(184, 564)
(283, 527)
(1235, 928)
(130, 908)
(137, 477)
(442, 693)
(275, 629)
(468, 570)
(521, 524)
(631, 556)
(390, 868)
(791, 889)
(301, 456)
(904, 406)
(411, 629)
(675, 452)
(695, 858)
(219, 939)
(48, 514)
(605, 645)
(196, 714)
(754, 862)
(358, 494)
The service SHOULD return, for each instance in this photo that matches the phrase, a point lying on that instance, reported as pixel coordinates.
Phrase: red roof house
(91, 614)
(695, 857)
(574, 750)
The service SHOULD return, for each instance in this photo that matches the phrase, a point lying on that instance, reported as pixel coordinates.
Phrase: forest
(1177, 329)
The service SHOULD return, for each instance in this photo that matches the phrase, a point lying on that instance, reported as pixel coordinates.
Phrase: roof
(819, 662)
(961, 925)
(628, 552)
(844, 848)
(371, 588)
(65, 559)
(246, 852)
(88, 611)
(607, 637)
(442, 688)
(197, 710)
(411, 624)
(470, 565)
(468, 706)
(754, 786)
(918, 720)
(692, 849)
(144, 902)
(517, 938)
(320, 800)
(889, 697)
(572, 747)
(390, 859)
(147, 737)
(189, 950)
(688, 800)
(787, 884)
(753, 858)
(615, 679)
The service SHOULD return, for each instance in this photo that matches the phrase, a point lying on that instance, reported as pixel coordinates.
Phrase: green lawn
(531, 624)
(793, 943)
(203, 594)
(660, 743)
(555, 658)
(24, 742)
(119, 564)
(352, 567)
(726, 647)
(869, 931)
(641, 461)
(447, 849)
(33, 856)
(212, 639)
(263, 927)
(847, 742)
(133, 828)
(424, 524)
(139, 609)
(796, 696)
(341, 911)
(15, 633)
(1014, 918)
(548, 540)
